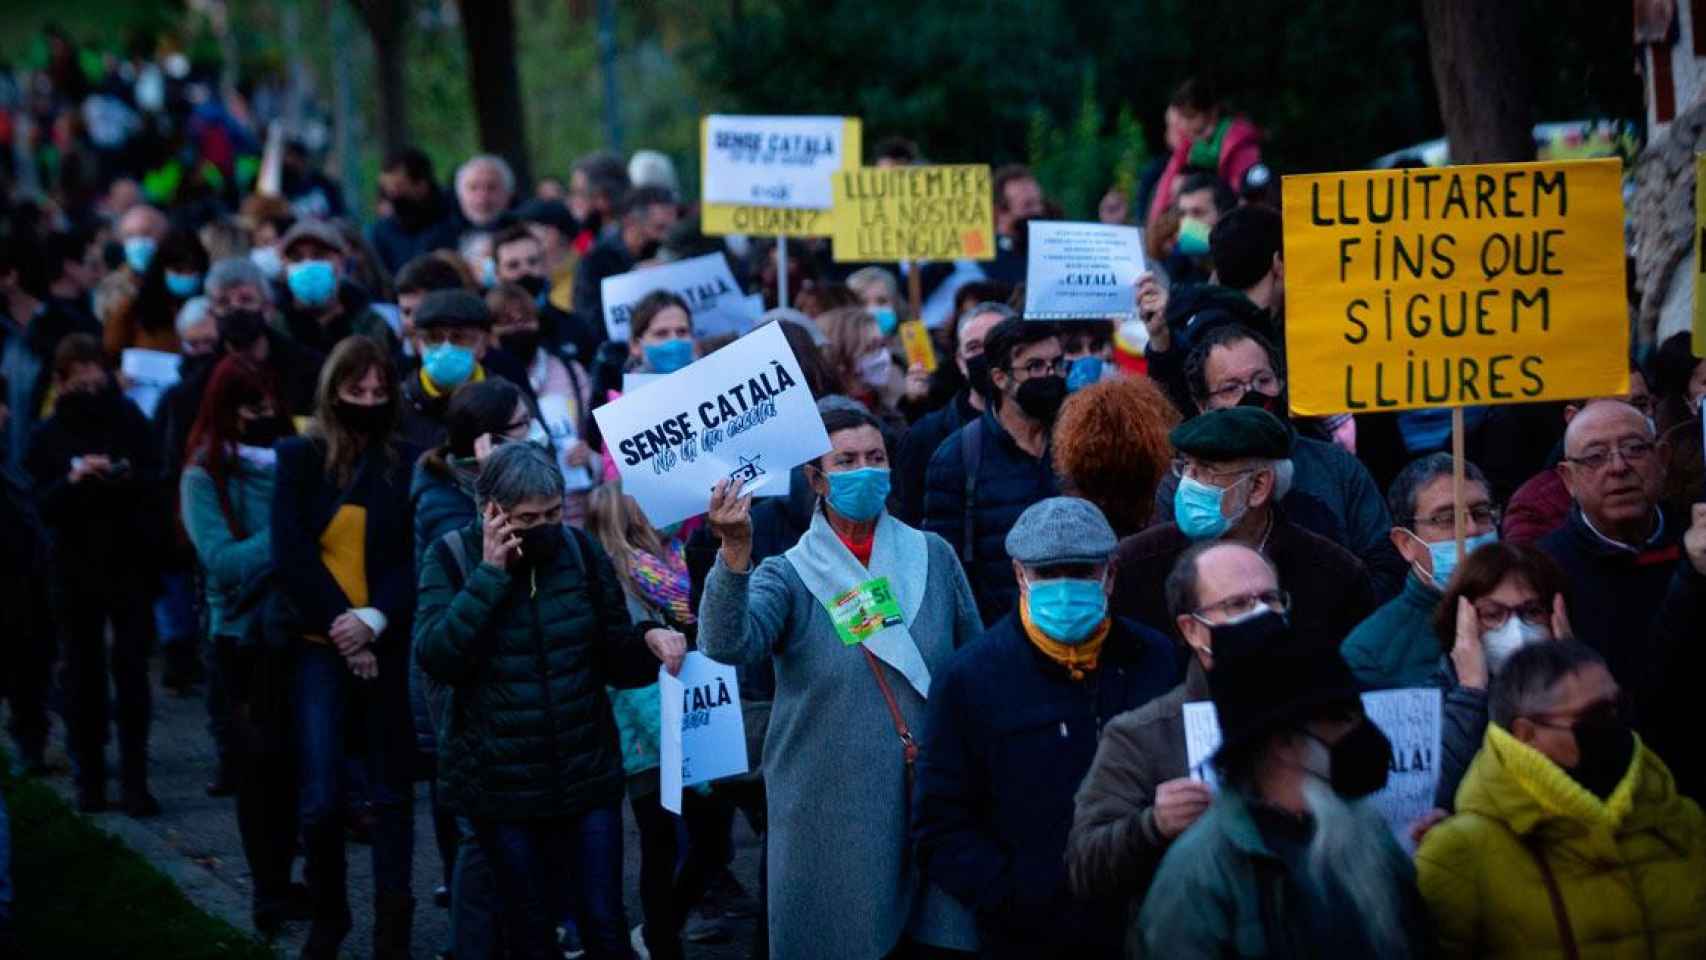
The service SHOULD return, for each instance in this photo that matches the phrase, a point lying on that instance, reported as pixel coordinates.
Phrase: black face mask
(239, 329)
(647, 251)
(1265, 631)
(532, 284)
(977, 374)
(410, 209)
(1275, 405)
(259, 433)
(369, 421)
(1606, 747)
(520, 344)
(540, 544)
(88, 408)
(1041, 397)
(1359, 763)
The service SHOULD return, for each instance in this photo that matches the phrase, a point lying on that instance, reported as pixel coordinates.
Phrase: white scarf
(898, 552)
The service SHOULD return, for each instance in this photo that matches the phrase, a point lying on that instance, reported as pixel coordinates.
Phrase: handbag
(1566, 936)
(908, 745)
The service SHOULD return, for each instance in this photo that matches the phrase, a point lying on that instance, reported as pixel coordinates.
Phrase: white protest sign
(151, 373)
(1082, 271)
(772, 161)
(559, 423)
(1409, 718)
(743, 411)
(701, 735)
(717, 302)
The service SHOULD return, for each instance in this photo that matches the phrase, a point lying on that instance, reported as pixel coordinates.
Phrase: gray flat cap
(318, 231)
(1061, 530)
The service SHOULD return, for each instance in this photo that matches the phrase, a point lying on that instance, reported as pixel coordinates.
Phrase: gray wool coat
(843, 882)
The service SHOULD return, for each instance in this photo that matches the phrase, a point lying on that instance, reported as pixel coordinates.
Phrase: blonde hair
(844, 328)
(866, 277)
(616, 520)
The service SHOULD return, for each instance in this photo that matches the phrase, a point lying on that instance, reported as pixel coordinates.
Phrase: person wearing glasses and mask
(1396, 646)
(1139, 796)
(1570, 837)
(989, 471)
(994, 797)
(1619, 551)
(1234, 470)
(857, 619)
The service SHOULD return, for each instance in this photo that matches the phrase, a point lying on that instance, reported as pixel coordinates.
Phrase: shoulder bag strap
(1565, 935)
(971, 456)
(908, 746)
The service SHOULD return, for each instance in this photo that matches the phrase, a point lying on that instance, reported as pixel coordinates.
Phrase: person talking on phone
(96, 473)
(524, 621)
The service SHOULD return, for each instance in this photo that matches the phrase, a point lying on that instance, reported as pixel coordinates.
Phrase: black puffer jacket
(528, 733)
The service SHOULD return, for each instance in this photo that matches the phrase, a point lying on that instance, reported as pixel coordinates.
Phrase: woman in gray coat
(856, 617)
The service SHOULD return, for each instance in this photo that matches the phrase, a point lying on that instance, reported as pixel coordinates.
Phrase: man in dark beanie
(1234, 468)
(1290, 860)
(1012, 728)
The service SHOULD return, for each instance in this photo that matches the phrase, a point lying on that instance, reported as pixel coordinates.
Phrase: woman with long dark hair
(343, 549)
(226, 495)
(148, 320)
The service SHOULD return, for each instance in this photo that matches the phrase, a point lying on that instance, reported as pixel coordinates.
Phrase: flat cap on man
(1061, 530)
(319, 231)
(452, 308)
(1235, 433)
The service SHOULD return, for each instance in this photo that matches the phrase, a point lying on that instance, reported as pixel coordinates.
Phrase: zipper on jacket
(545, 679)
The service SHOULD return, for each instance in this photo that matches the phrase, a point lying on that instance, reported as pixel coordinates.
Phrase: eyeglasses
(1038, 367)
(1481, 515)
(1598, 713)
(1203, 474)
(1632, 452)
(1232, 607)
(1232, 390)
(1493, 614)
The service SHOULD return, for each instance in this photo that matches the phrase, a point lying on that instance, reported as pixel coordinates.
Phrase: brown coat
(1329, 587)
(1115, 847)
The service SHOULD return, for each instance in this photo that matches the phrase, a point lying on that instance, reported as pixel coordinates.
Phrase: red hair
(1111, 448)
(214, 436)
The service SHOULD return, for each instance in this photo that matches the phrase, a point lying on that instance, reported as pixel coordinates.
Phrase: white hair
(504, 172)
(191, 315)
(650, 168)
(1350, 848)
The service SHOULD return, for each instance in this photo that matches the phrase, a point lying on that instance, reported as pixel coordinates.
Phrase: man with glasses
(1618, 548)
(912, 458)
(1232, 366)
(1397, 645)
(1570, 838)
(988, 472)
(1233, 473)
(1139, 795)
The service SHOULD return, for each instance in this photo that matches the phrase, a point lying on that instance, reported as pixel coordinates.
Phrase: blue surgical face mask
(1444, 554)
(313, 283)
(183, 285)
(886, 319)
(859, 495)
(139, 252)
(1067, 610)
(448, 365)
(1196, 509)
(669, 356)
(1083, 372)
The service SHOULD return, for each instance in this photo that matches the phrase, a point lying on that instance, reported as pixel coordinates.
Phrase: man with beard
(96, 472)
(421, 219)
(647, 215)
(1570, 837)
(989, 471)
(920, 443)
(1289, 861)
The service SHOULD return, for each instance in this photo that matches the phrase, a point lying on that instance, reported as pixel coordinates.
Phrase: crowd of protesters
(373, 525)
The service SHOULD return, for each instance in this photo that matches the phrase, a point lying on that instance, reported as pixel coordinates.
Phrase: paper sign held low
(701, 734)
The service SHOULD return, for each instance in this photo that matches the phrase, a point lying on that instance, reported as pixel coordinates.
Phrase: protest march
(807, 536)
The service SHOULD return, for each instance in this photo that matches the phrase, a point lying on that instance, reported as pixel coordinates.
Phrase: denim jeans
(175, 619)
(341, 718)
(532, 860)
(473, 900)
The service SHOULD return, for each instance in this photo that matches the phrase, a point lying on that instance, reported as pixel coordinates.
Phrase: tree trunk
(1485, 99)
(387, 27)
(488, 30)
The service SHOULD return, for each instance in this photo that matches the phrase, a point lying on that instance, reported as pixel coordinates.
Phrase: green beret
(1235, 433)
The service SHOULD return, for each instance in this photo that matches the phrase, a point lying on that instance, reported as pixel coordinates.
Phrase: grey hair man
(485, 185)
(912, 460)
(237, 283)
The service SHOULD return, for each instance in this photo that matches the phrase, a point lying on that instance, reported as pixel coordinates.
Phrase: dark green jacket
(527, 657)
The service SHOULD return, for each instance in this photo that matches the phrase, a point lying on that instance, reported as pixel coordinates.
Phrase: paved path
(194, 841)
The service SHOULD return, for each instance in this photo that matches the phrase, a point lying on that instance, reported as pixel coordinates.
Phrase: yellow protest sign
(888, 214)
(1699, 337)
(1497, 283)
(717, 219)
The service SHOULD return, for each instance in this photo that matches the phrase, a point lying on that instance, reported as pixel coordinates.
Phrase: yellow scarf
(433, 390)
(1078, 659)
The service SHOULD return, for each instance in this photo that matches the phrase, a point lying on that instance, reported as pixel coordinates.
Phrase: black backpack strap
(461, 563)
(971, 457)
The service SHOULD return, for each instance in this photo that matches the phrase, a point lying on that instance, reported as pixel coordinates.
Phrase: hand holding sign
(1179, 803)
(668, 646)
(730, 518)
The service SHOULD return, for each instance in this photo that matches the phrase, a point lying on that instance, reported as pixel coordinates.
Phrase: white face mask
(875, 367)
(1511, 636)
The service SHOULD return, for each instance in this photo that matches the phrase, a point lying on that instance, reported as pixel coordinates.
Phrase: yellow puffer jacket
(1631, 869)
